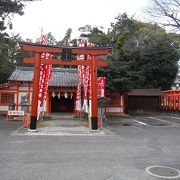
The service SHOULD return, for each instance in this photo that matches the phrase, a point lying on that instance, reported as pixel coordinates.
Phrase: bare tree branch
(165, 12)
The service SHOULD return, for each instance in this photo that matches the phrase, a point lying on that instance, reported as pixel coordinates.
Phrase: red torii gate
(37, 61)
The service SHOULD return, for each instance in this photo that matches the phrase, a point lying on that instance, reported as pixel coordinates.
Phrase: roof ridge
(31, 68)
(24, 68)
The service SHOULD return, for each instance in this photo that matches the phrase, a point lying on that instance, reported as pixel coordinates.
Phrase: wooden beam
(41, 49)
(31, 60)
(94, 51)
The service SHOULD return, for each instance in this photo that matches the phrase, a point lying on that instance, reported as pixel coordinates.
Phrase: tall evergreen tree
(144, 56)
(67, 38)
(10, 54)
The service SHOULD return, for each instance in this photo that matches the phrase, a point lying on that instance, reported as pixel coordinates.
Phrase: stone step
(63, 116)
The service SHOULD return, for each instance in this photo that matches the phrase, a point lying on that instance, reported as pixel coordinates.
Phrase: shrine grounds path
(122, 154)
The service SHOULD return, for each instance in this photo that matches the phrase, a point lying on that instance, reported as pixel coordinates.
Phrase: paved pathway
(124, 155)
(61, 125)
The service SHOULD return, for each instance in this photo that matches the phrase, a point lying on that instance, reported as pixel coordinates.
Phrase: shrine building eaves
(61, 77)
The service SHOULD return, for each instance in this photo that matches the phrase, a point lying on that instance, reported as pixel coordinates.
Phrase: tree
(50, 39)
(10, 53)
(9, 7)
(158, 57)
(95, 35)
(67, 38)
(144, 56)
(165, 12)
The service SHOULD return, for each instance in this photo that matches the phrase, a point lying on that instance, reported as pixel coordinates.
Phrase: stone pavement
(61, 125)
(131, 153)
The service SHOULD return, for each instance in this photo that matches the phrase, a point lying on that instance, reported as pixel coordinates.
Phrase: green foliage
(9, 7)
(95, 35)
(123, 27)
(145, 56)
(51, 39)
(160, 59)
(67, 38)
(10, 56)
(10, 53)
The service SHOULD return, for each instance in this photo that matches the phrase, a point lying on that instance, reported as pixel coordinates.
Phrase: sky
(56, 16)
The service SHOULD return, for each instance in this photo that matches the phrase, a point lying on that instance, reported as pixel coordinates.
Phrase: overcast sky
(56, 16)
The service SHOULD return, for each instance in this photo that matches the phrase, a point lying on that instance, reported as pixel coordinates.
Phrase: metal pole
(35, 93)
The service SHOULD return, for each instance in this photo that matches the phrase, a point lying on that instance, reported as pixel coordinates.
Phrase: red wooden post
(35, 93)
(94, 118)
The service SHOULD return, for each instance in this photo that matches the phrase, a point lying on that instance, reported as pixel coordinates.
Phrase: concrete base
(33, 130)
(94, 131)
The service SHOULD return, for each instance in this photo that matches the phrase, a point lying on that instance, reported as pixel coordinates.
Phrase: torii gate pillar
(36, 77)
(94, 118)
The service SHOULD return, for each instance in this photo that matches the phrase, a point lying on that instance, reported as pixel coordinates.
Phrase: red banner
(45, 75)
(84, 80)
(78, 107)
(101, 87)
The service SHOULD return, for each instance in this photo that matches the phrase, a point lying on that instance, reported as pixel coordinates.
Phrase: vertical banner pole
(35, 93)
(94, 119)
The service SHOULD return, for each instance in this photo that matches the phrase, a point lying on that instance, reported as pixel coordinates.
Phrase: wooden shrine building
(17, 93)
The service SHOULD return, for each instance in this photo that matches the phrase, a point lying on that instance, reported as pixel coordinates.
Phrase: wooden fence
(170, 101)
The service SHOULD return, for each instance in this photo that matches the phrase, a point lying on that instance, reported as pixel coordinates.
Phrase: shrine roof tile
(63, 77)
